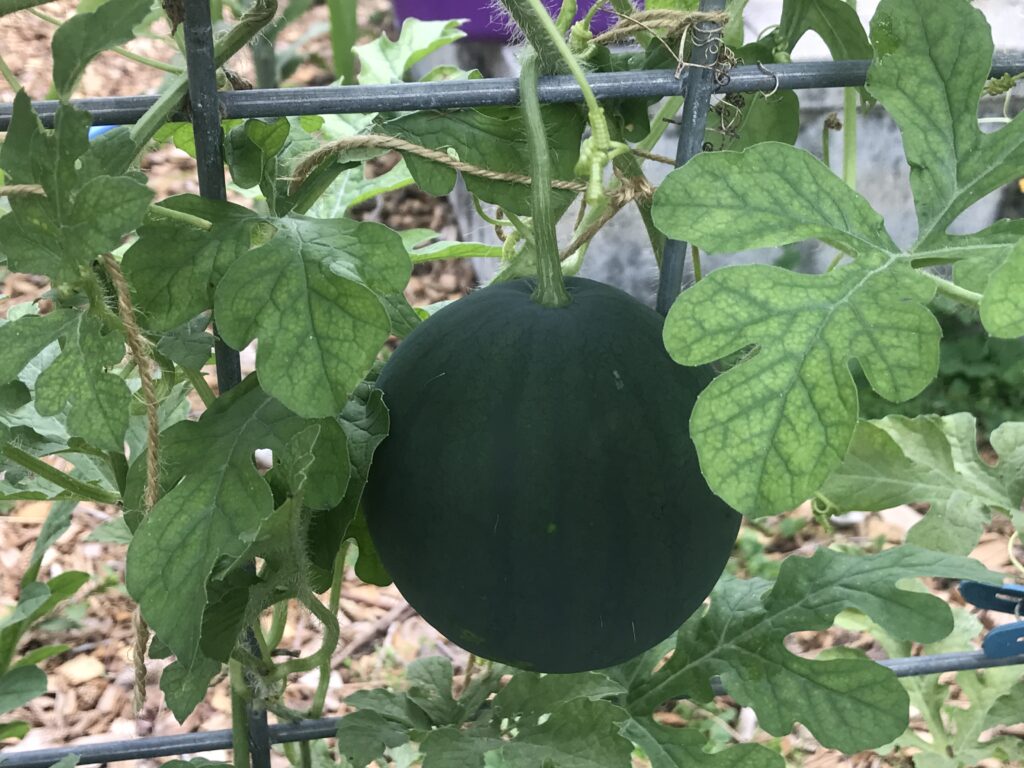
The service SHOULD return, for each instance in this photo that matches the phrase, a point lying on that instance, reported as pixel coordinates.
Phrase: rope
(138, 349)
(21, 190)
(675, 23)
(665, 159)
(629, 191)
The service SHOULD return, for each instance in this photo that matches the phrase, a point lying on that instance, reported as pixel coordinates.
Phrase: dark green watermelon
(538, 499)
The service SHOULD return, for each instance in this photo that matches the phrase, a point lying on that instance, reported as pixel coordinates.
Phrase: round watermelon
(538, 499)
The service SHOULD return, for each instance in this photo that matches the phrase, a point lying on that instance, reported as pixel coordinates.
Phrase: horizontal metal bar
(307, 730)
(499, 91)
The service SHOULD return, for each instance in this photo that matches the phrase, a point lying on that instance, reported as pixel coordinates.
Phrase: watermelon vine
(99, 376)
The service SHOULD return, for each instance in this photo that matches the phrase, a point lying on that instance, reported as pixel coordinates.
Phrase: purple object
(487, 19)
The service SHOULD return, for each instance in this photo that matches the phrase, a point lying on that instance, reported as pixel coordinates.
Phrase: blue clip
(1007, 640)
(99, 130)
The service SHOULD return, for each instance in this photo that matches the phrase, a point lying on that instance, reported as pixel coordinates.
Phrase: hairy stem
(316, 709)
(323, 654)
(277, 624)
(524, 15)
(76, 487)
(550, 289)
(239, 715)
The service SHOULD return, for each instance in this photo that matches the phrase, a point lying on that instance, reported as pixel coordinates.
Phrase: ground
(90, 697)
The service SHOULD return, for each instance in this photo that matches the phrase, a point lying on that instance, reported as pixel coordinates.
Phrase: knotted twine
(138, 351)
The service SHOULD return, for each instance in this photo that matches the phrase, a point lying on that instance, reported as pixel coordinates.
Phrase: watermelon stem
(550, 290)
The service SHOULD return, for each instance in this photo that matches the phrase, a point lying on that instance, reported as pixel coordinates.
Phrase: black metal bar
(307, 730)
(700, 84)
(206, 127)
(124, 110)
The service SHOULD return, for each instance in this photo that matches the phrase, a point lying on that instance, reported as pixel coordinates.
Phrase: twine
(138, 349)
(630, 190)
(21, 190)
(674, 23)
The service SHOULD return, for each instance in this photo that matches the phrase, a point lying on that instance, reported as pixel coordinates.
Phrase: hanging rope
(21, 190)
(138, 350)
(629, 191)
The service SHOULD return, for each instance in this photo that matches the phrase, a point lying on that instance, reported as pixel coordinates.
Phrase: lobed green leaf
(931, 459)
(213, 504)
(931, 63)
(848, 704)
(84, 35)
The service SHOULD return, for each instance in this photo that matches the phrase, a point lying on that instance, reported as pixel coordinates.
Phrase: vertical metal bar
(700, 84)
(205, 102)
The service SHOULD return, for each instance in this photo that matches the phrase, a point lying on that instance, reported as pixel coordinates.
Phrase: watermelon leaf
(84, 213)
(931, 63)
(19, 686)
(835, 21)
(848, 704)
(1002, 307)
(365, 423)
(897, 460)
(494, 138)
(383, 60)
(668, 747)
(213, 503)
(84, 35)
(311, 295)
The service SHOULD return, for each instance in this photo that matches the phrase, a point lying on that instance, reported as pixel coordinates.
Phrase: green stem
(479, 208)
(955, 292)
(200, 385)
(169, 213)
(597, 120)
(826, 144)
(78, 488)
(850, 131)
(567, 14)
(850, 137)
(277, 624)
(523, 13)
(630, 167)
(343, 38)
(323, 654)
(698, 272)
(163, 66)
(239, 715)
(251, 22)
(660, 122)
(334, 601)
(550, 290)
(9, 75)
(835, 261)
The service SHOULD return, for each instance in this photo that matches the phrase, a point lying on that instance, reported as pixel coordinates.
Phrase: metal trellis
(697, 83)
